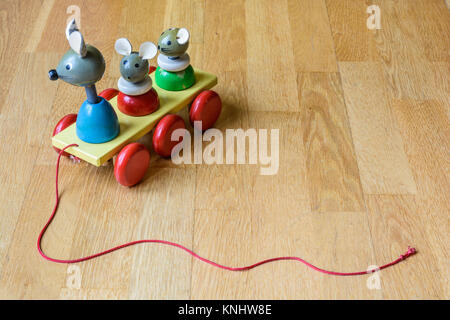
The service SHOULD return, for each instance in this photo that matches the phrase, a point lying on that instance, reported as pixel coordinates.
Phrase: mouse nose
(53, 75)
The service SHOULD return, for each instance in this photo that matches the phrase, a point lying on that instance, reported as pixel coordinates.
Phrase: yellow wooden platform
(133, 128)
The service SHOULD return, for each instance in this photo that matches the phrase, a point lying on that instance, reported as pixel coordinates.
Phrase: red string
(402, 257)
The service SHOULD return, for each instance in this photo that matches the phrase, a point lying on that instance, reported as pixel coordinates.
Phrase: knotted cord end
(408, 253)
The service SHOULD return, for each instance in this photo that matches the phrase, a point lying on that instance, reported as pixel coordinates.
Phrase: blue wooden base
(97, 122)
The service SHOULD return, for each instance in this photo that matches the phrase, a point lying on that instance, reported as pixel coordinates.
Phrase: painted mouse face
(134, 65)
(173, 42)
(81, 71)
(133, 68)
(83, 64)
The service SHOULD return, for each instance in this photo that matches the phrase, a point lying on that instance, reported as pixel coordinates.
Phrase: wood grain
(38, 28)
(363, 120)
(270, 57)
(353, 41)
(425, 127)
(168, 214)
(17, 20)
(382, 162)
(332, 170)
(311, 36)
(434, 29)
(29, 137)
(403, 50)
(398, 221)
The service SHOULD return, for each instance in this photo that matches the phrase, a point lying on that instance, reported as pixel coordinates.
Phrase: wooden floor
(364, 154)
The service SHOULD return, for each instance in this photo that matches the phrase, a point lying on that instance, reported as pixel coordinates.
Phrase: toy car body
(131, 128)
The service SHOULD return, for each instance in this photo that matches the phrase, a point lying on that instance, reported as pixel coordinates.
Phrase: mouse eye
(68, 66)
(125, 62)
(169, 43)
(137, 65)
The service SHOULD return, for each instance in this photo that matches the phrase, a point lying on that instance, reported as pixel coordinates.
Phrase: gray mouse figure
(134, 67)
(173, 42)
(172, 45)
(136, 96)
(174, 72)
(83, 65)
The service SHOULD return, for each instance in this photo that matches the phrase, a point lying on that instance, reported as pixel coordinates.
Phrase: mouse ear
(76, 42)
(75, 38)
(71, 27)
(123, 46)
(182, 36)
(147, 50)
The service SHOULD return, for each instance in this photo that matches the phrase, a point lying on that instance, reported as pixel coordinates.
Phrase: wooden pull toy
(83, 65)
(145, 101)
(94, 134)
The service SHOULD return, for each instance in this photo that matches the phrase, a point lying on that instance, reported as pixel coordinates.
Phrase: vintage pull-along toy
(110, 123)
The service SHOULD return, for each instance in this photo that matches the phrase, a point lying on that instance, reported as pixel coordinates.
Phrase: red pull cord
(402, 257)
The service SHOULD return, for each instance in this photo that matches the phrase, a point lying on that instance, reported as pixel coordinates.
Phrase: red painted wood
(65, 121)
(109, 93)
(162, 143)
(141, 105)
(131, 164)
(151, 69)
(206, 108)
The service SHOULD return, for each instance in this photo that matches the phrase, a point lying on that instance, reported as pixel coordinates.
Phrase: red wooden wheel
(65, 121)
(206, 108)
(162, 143)
(131, 164)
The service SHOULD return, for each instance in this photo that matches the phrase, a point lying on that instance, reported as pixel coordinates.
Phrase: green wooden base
(175, 81)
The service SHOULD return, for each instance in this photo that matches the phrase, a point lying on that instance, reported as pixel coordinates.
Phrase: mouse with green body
(174, 70)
